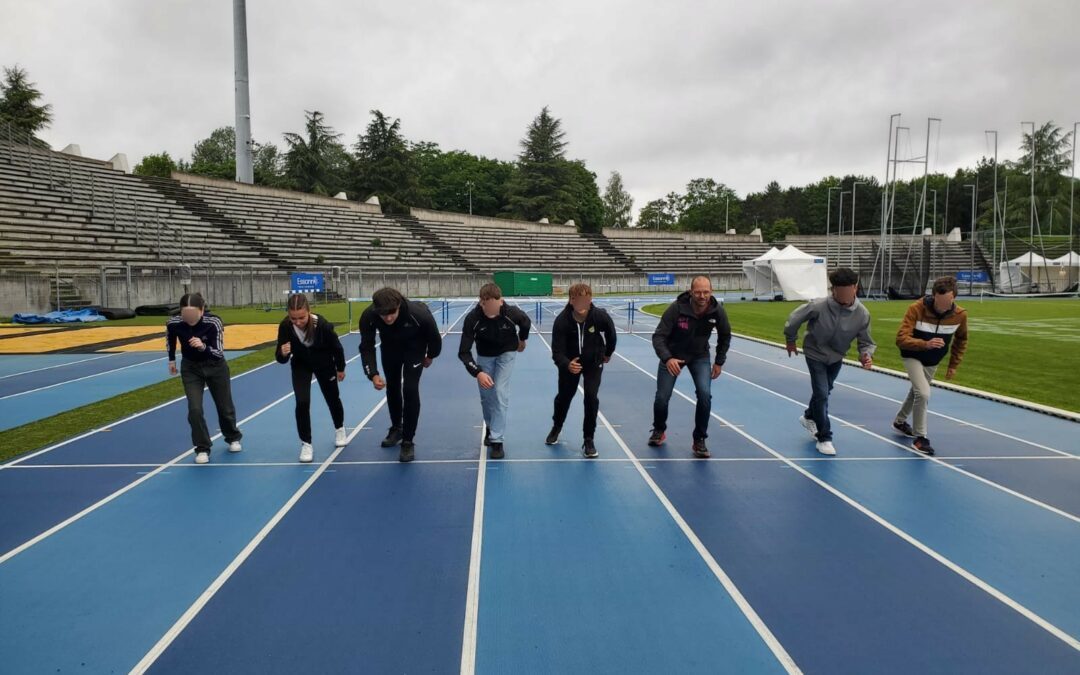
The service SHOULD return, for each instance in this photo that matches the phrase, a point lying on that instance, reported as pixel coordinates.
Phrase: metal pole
(840, 222)
(1031, 211)
(1072, 186)
(851, 257)
(244, 170)
(727, 200)
(828, 220)
(971, 265)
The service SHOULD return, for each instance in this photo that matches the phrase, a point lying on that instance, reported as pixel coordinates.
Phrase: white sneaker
(306, 453)
(340, 441)
(826, 448)
(202, 457)
(235, 446)
(809, 424)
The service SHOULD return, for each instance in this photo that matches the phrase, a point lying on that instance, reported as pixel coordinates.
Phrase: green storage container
(523, 283)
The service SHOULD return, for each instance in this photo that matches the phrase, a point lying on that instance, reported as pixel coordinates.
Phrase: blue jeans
(496, 400)
(822, 376)
(701, 371)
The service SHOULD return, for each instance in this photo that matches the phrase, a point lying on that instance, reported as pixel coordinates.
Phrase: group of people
(583, 341)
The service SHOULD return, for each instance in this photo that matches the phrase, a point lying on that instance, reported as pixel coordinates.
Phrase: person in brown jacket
(932, 327)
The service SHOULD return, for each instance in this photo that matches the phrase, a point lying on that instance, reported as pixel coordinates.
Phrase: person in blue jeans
(832, 323)
(681, 340)
(499, 332)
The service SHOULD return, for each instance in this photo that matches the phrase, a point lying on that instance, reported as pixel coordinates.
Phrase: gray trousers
(918, 396)
(212, 375)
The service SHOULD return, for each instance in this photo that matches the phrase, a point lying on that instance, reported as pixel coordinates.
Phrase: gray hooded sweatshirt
(831, 329)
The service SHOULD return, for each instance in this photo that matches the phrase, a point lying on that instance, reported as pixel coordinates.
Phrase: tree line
(543, 182)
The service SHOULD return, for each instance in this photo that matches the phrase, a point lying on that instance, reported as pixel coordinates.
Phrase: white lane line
(127, 488)
(170, 635)
(472, 595)
(740, 600)
(912, 451)
(958, 420)
(957, 569)
(80, 379)
(59, 365)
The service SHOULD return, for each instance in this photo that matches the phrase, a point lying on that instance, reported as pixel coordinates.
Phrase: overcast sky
(663, 92)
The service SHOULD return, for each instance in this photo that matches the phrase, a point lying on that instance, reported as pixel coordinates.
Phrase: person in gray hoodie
(833, 323)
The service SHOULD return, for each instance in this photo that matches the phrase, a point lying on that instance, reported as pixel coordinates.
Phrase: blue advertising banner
(301, 282)
(665, 279)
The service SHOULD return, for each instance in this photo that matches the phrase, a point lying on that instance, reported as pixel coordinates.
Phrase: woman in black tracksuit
(309, 341)
(582, 341)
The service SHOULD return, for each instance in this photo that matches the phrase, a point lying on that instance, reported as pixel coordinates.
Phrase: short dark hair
(842, 276)
(490, 292)
(943, 285)
(192, 300)
(387, 300)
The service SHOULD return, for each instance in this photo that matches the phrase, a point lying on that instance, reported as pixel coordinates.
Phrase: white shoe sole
(809, 425)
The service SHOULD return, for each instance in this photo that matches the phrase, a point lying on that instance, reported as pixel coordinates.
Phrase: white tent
(790, 272)
(1068, 270)
(1028, 273)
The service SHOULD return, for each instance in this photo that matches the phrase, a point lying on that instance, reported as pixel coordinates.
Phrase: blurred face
(191, 315)
(391, 317)
(700, 294)
(581, 304)
(299, 317)
(491, 308)
(943, 301)
(845, 295)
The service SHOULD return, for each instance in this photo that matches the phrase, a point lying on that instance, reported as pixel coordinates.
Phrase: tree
(160, 165)
(706, 206)
(779, 229)
(618, 203)
(456, 180)
(659, 214)
(215, 156)
(384, 165)
(585, 207)
(19, 103)
(315, 162)
(540, 186)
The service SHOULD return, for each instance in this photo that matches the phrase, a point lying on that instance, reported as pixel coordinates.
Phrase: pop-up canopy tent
(790, 272)
(1027, 273)
(1068, 270)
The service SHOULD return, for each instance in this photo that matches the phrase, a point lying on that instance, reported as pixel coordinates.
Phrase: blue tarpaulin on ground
(62, 316)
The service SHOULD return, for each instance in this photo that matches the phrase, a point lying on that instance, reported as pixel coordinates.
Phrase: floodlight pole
(244, 170)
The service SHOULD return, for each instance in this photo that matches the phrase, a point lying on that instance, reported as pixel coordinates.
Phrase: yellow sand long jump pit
(240, 336)
(71, 339)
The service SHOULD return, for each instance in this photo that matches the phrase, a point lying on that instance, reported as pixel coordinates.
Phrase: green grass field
(54, 429)
(1027, 349)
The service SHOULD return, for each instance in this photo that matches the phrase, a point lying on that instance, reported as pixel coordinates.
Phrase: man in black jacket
(582, 341)
(410, 341)
(499, 331)
(682, 339)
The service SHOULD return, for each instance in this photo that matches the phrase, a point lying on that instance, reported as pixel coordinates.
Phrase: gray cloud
(662, 92)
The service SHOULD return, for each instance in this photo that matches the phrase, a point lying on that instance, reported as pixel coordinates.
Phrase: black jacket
(492, 336)
(209, 329)
(592, 340)
(323, 356)
(414, 335)
(682, 334)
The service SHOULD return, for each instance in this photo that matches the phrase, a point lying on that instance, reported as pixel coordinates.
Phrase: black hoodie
(683, 335)
(593, 340)
(414, 335)
(492, 336)
(323, 356)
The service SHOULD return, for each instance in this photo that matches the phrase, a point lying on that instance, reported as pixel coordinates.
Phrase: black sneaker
(589, 449)
(497, 451)
(700, 451)
(487, 436)
(904, 428)
(553, 436)
(922, 444)
(393, 437)
(407, 451)
(657, 438)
